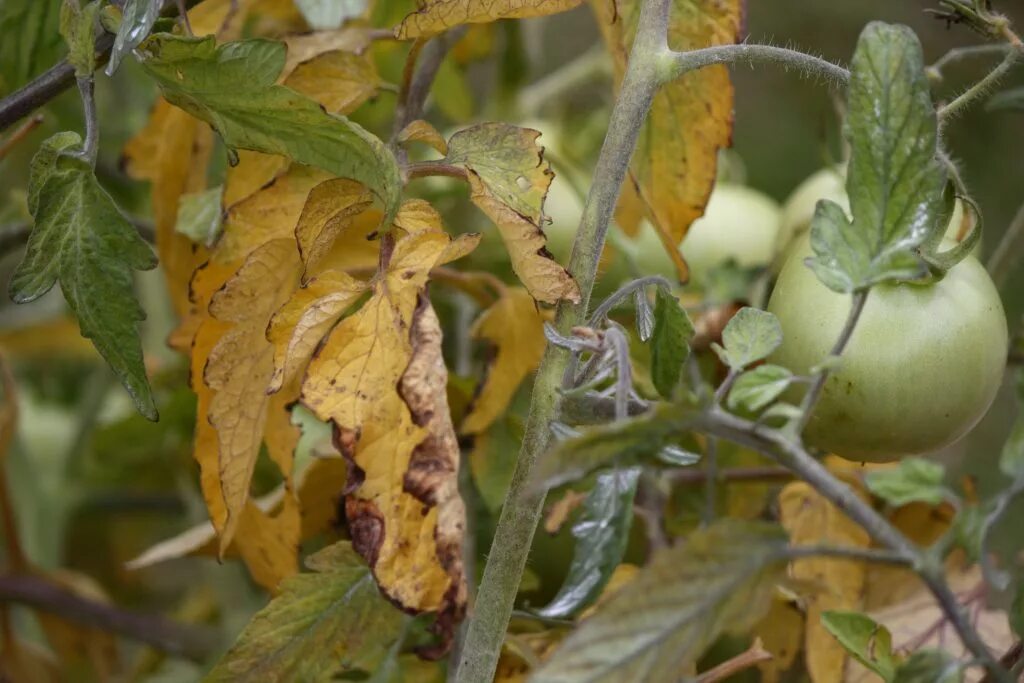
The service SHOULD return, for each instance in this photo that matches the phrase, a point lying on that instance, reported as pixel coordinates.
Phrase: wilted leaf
(437, 16)
(322, 623)
(914, 480)
(750, 336)
(865, 639)
(339, 80)
(895, 181)
(137, 20)
(508, 180)
(601, 533)
(327, 213)
(810, 519)
(674, 166)
(515, 328)
(721, 580)
(231, 86)
(421, 131)
(670, 342)
(81, 239)
(756, 388)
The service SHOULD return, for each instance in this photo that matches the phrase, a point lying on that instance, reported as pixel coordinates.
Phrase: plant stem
(980, 88)
(959, 53)
(523, 504)
(1009, 250)
(851, 553)
(814, 393)
(810, 65)
(92, 125)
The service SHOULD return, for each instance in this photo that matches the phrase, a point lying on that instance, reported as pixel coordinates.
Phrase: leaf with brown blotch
(437, 16)
(691, 118)
(297, 327)
(422, 131)
(810, 519)
(378, 378)
(329, 210)
(509, 179)
(341, 81)
(515, 328)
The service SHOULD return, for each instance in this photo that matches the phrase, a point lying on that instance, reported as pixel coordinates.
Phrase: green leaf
(602, 533)
(200, 217)
(757, 388)
(137, 20)
(624, 442)
(867, 641)
(322, 623)
(670, 342)
(81, 239)
(78, 27)
(232, 87)
(895, 182)
(329, 14)
(721, 580)
(929, 666)
(915, 480)
(30, 40)
(1008, 99)
(750, 336)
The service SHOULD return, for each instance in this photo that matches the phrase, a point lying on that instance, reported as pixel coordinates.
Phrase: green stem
(523, 504)
(979, 89)
(809, 65)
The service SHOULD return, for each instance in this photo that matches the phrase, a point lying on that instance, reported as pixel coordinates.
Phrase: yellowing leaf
(813, 520)
(340, 81)
(421, 131)
(515, 327)
(253, 171)
(690, 118)
(781, 633)
(437, 16)
(306, 46)
(327, 213)
(508, 180)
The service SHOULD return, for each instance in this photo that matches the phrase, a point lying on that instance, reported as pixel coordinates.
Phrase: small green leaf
(929, 666)
(895, 181)
(138, 18)
(232, 87)
(756, 388)
(78, 27)
(81, 239)
(322, 623)
(721, 580)
(329, 14)
(915, 480)
(602, 533)
(670, 342)
(867, 641)
(749, 337)
(200, 217)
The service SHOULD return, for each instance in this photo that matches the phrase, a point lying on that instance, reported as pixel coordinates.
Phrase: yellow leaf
(340, 81)
(418, 215)
(810, 519)
(691, 118)
(515, 327)
(328, 212)
(782, 633)
(508, 180)
(253, 171)
(379, 379)
(421, 131)
(304, 47)
(437, 16)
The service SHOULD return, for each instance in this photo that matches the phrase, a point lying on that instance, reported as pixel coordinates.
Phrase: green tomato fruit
(923, 366)
(739, 224)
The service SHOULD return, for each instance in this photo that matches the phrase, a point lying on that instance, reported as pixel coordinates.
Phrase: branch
(683, 62)
(191, 642)
(755, 655)
(979, 89)
(415, 88)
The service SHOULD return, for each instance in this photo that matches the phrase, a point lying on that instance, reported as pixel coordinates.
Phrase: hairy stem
(960, 53)
(979, 89)
(809, 65)
(523, 504)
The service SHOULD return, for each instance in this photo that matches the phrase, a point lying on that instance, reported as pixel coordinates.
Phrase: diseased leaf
(670, 342)
(674, 165)
(515, 328)
(757, 388)
(865, 639)
(328, 14)
(895, 181)
(81, 239)
(199, 216)
(750, 336)
(137, 19)
(812, 520)
(913, 480)
(601, 536)
(508, 181)
(437, 16)
(323, 623)
(339, 80)
(231, 87)
(721, 580)
(327, 213)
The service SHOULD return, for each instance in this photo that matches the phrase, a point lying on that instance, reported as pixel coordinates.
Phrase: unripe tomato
(739, 224)
(923, 365)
